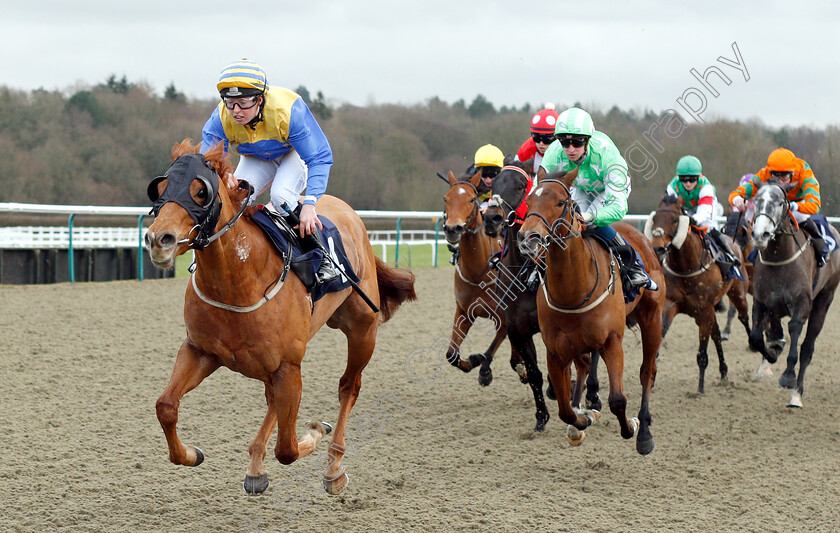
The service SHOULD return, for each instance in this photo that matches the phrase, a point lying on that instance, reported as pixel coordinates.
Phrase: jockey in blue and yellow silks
(279, 142)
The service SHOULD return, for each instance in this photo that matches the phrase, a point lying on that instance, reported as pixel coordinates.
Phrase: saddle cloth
(305, 264)
(734, 271)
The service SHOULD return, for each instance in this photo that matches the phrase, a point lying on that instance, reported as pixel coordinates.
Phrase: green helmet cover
(689, 165)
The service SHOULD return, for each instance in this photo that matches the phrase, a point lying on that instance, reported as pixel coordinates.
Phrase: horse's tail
(396, 285)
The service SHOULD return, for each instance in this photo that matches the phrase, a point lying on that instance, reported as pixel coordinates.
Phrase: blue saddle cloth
(734, 271)
(306, 264)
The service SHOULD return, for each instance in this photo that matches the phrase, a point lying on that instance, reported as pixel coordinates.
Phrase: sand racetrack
(82, 365)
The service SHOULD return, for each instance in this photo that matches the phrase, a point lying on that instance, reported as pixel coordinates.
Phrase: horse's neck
(786, 243)
(574, 267)
(475, 251)
(689, 255)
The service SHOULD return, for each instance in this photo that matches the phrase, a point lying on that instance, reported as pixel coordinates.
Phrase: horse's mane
(670, 199)
(217, 159)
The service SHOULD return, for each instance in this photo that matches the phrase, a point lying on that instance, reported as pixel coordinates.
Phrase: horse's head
(509, 189)
(668, 226)
(771, 208)
(189, 202)
(460, 207)
(551, 214)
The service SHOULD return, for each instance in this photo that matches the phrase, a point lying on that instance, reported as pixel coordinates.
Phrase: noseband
(561, 221)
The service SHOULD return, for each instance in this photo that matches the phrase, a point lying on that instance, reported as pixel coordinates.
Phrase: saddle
(624, 254)
(305, 264)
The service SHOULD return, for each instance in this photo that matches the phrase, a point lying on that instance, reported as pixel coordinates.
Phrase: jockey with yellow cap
(279, 142)
(700, 202)
(489, 160)
(804, 197)
(602, 185)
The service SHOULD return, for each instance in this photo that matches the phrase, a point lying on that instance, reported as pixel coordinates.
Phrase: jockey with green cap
(700, 202)
(602, 185)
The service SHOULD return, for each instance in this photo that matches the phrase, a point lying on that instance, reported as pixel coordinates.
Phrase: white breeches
(286, 175)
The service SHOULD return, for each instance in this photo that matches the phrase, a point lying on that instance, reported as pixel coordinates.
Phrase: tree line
(102, 145)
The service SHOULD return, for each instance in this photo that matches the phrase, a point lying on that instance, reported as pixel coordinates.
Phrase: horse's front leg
(285, 384)
(561, 378)
(485, 373)
(191, 367)
(593, 399)
(704, 325)
(460, 327)
(613, 356)
(788, 378)
(760, 318)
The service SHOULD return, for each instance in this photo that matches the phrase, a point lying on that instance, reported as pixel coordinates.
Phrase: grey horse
(787, 282)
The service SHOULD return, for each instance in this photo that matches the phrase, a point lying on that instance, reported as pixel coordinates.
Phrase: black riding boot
(813, 231)
(728, 255)
(627, 260)
(326, 270)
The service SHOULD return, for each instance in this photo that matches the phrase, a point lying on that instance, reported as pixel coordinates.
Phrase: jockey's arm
(307, 138)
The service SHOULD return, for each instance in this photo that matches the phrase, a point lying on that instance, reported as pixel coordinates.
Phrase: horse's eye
(202, 193)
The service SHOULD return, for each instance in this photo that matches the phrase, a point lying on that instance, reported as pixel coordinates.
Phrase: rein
(790, 259)
(201, 243)
(778, 230)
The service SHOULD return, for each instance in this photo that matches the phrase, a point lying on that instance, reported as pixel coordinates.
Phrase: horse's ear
(569, 177)
(476, 179)
(787, 187)
(541, 173)
(758, 184)
(451, 177)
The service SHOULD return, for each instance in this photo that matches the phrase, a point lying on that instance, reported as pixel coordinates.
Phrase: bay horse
(239, 312)
(788, 283)
(694, 279)
(581, 304)
(517, 300)
(474, 279)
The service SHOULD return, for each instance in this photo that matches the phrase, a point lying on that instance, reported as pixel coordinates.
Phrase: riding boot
(627, 261)
(728, 255)
(813, 231)
(326, 270)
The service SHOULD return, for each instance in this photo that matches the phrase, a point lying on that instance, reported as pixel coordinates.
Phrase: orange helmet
(781, 160)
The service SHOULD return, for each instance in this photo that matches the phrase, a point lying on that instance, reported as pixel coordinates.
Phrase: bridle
(473, 214)
(779, 230)
(553, 236)
(706, 258)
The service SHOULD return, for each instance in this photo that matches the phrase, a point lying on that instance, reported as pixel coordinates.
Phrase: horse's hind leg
(191, 367)
(361, 338)
(704, 320)
(524, 344)
(788, 378)
(256, 478)
(819, 309)
(613, 356)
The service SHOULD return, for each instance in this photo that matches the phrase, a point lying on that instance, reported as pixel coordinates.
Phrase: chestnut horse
(518, 300)
(474, 279)
(240, 313)
(695, 281)
(788, 283)
(581, 305)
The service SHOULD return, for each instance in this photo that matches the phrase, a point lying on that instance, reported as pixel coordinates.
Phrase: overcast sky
(634, 54)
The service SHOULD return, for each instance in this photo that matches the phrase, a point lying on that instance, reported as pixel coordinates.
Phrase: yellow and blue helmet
(242, 78)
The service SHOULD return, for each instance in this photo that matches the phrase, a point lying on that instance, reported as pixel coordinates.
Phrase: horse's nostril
(167, 240)
(495, 220)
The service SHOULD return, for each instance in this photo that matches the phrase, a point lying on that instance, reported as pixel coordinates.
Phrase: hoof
(549, 393)
(335, 486)
(324, 428)
(795, 400)
(327, 428)
(594, 403)
(724, 336)
(634, 425)
(644, 447)
(485, 376)
(575, 435)
(764, 370)
(255, 484)
(787, 380)
(199, 456)
(541, 423)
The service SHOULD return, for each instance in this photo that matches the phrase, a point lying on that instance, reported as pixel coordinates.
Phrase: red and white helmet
(545, 120)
